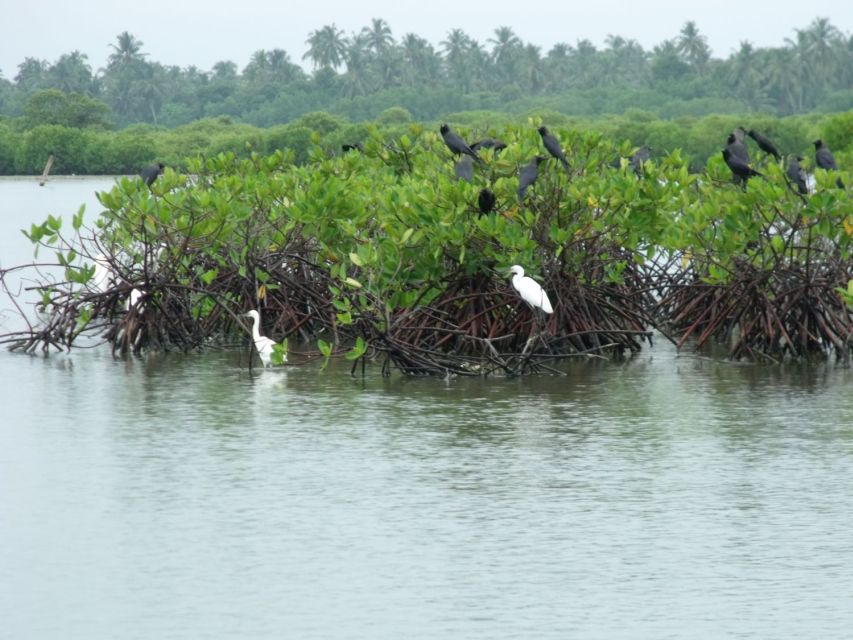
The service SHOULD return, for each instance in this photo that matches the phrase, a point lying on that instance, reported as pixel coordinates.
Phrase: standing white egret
(263, 344)
(530, 290)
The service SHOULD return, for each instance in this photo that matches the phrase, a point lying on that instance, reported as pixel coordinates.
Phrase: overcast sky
(203, 32)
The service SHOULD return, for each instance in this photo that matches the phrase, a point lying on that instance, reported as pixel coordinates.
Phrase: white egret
(263, 344)
(530, 290)
(103, 277)
(133, 299)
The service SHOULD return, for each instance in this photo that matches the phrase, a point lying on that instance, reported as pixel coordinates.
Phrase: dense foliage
(80, 150)
(387, 253)
(360, 75)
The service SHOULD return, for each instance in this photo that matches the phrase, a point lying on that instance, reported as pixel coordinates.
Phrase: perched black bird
(825, 160)
(456, 144)
(823, 156)
(741, 170)
(355, 146)
(465, 169)
(764, 144)
(150, 173)
(640, 156)
(486, 201)
(553, 146)
(797, 175)
(527, 176)
(488, 143)
(737, 147)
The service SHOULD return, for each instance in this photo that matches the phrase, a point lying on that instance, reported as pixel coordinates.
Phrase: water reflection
(185, 496)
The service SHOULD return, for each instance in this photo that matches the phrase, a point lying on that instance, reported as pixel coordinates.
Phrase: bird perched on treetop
(741, 170)
(553, 146)
(640, 156)
(150, 173)
(797, 175)
(530, 290)
(825, 160)
(764, 144)
(486, 201)
(456, 144)
(488, 143)
(464, 169)
(737, 147)
(527, 176)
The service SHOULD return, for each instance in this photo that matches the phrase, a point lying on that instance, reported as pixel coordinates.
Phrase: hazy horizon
(196, 33)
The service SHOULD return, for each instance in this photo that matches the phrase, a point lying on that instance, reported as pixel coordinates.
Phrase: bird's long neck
(256, 324)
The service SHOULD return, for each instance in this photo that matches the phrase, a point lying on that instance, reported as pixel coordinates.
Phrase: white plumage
(530, 291)
(263, 344)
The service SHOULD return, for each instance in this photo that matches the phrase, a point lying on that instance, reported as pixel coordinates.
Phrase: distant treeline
(86, 150)
(358, 76)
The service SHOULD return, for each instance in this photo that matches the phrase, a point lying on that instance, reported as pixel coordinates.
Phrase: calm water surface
(181, 497)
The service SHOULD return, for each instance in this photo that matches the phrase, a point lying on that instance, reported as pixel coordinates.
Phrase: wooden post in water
(46, 170)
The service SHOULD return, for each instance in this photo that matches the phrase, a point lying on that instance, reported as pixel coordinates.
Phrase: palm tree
(378, 36)
(530, 65)
(627, 61)
(357, 80)
(422, 66)
(149, 89)
(258, 66)
(558, 66)
(71, 73)
(585, 65)
(456, 47)
(326, 47)
(31, 74)
(787, 79)
(281, 68)
(666, 65)
(126, 52)
(506, 53)
(693, 47)
(821, 40)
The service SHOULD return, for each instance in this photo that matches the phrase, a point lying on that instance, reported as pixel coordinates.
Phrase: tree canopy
(359, 75)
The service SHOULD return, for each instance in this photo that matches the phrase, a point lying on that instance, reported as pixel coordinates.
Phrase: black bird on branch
(553, 146)
(797, 175)
(741, 170)
(737, 147)
(355, 146)
(464, 169)
(489, 143)
(486, 201)
(764, 144)
(825, 160)
(640, 156)
(527, 176)
(150, 173)
(456, 144)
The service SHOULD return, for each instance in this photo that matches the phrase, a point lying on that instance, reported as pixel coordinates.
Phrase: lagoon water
(180, 496)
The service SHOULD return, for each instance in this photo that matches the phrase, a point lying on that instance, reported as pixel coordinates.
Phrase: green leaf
(77, 221)
(324, 347)
(353, 257)
(357, 351)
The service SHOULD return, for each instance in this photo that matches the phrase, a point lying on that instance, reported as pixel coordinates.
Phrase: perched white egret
(133, 299)
(263, 344)
(530, 290)
(103, 278)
